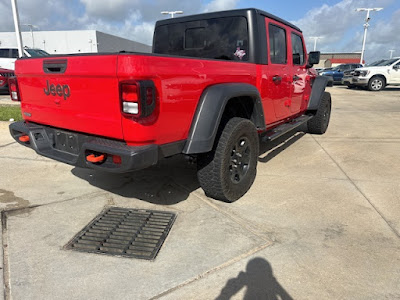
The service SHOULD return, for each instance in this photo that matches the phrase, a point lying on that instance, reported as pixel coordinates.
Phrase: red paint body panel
(93, 105)
(180, 83)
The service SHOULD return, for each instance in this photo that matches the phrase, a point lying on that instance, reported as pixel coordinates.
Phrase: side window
(277, 44)
(4, 53)
(297, 50)
(14, 53)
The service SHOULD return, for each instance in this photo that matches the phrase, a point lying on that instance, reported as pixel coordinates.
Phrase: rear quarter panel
(180, 83)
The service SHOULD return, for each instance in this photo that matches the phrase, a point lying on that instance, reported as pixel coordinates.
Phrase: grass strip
(8, 112)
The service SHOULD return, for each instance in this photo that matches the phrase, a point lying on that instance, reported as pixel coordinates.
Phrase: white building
(74, 41)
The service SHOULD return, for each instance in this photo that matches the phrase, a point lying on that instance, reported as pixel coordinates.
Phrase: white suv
(377, 77)
(8, 56)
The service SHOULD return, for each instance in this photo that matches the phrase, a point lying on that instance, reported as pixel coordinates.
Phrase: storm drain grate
(125, 232)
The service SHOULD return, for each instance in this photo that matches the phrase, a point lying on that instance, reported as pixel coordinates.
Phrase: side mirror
(313, 58)
(396, 67)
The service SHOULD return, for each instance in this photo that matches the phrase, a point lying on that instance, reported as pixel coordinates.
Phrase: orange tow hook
(95, 159)
(24, 138)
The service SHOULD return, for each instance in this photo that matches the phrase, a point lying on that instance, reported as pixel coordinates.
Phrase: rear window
(222, 38)
(36, 52)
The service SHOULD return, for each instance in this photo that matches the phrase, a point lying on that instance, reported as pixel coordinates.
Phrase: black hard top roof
(226, 13)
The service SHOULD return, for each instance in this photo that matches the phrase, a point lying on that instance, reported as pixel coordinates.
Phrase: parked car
(348, 75)
(8, 56)
(4, 75)
(208, 91)
(337, 72)
(377, 77)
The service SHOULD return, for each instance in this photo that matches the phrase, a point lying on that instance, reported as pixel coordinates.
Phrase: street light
(391, 53)
(16, 25)
(172, 13)
(366, 25)
(31, 29)
(315, 40)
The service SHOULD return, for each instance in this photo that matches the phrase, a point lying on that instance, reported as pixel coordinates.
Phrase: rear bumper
(76, 147)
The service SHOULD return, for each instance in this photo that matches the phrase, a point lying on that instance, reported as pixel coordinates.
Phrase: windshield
(375, 63)
(387, 62)
(36, 52)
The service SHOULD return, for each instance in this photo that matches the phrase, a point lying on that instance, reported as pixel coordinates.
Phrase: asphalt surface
(322, 220)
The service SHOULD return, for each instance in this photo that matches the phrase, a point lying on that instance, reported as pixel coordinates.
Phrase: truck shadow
(268, 150)
(172, 180)
(168, 183)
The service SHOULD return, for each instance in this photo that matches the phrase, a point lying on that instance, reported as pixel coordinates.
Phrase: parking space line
(2, 146)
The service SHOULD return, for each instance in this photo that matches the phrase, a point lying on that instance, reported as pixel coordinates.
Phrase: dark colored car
(4, 75)
(337, 72)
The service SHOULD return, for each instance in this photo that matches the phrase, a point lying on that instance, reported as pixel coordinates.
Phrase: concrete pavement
(320, 222)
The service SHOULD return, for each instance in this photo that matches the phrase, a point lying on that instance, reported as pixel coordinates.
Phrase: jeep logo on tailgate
(60, 90)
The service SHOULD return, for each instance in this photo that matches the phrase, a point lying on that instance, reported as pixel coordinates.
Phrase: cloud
(110, 10)
(218, 5)
(382, 36)
(335, 24)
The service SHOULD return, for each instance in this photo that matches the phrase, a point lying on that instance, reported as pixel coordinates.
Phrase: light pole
(391, 53)
(31, 29)
(16, 25)
(315, 40)
(172, 13)
(366, 25)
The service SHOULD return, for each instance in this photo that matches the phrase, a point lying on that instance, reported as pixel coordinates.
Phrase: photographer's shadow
(259, 281)
(169, 182)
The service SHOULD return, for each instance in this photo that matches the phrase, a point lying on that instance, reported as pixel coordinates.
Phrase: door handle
(295, 78)
(277, 79)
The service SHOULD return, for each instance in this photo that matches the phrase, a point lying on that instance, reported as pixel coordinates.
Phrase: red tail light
(138, 97)
(13, 88)
(130, 98)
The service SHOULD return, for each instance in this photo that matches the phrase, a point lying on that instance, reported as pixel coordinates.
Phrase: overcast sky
(335, 21)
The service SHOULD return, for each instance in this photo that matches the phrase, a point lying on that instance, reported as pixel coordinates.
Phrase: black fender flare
(209, 112)
(317, 91)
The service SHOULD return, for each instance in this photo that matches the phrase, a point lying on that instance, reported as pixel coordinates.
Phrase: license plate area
(66, 141)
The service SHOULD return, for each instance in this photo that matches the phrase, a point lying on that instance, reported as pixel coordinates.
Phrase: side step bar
(273, 134)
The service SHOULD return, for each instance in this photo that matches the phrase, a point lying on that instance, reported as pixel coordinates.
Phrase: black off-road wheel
(228, 171)
(319, 123)
(376, 83)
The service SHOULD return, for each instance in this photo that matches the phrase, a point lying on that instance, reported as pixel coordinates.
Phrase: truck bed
(91, 102)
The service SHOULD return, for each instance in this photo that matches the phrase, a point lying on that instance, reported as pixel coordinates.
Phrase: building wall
(328, 60)
(111, 43)
(74, 41)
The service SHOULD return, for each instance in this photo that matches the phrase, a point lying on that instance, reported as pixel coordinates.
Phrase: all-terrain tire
(319, 123)
(376, 83)
(228, 171)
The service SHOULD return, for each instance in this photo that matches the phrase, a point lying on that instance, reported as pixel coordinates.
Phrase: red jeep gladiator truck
(214, 85)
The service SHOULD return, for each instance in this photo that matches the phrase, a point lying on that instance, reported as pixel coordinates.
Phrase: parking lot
(322, 220)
